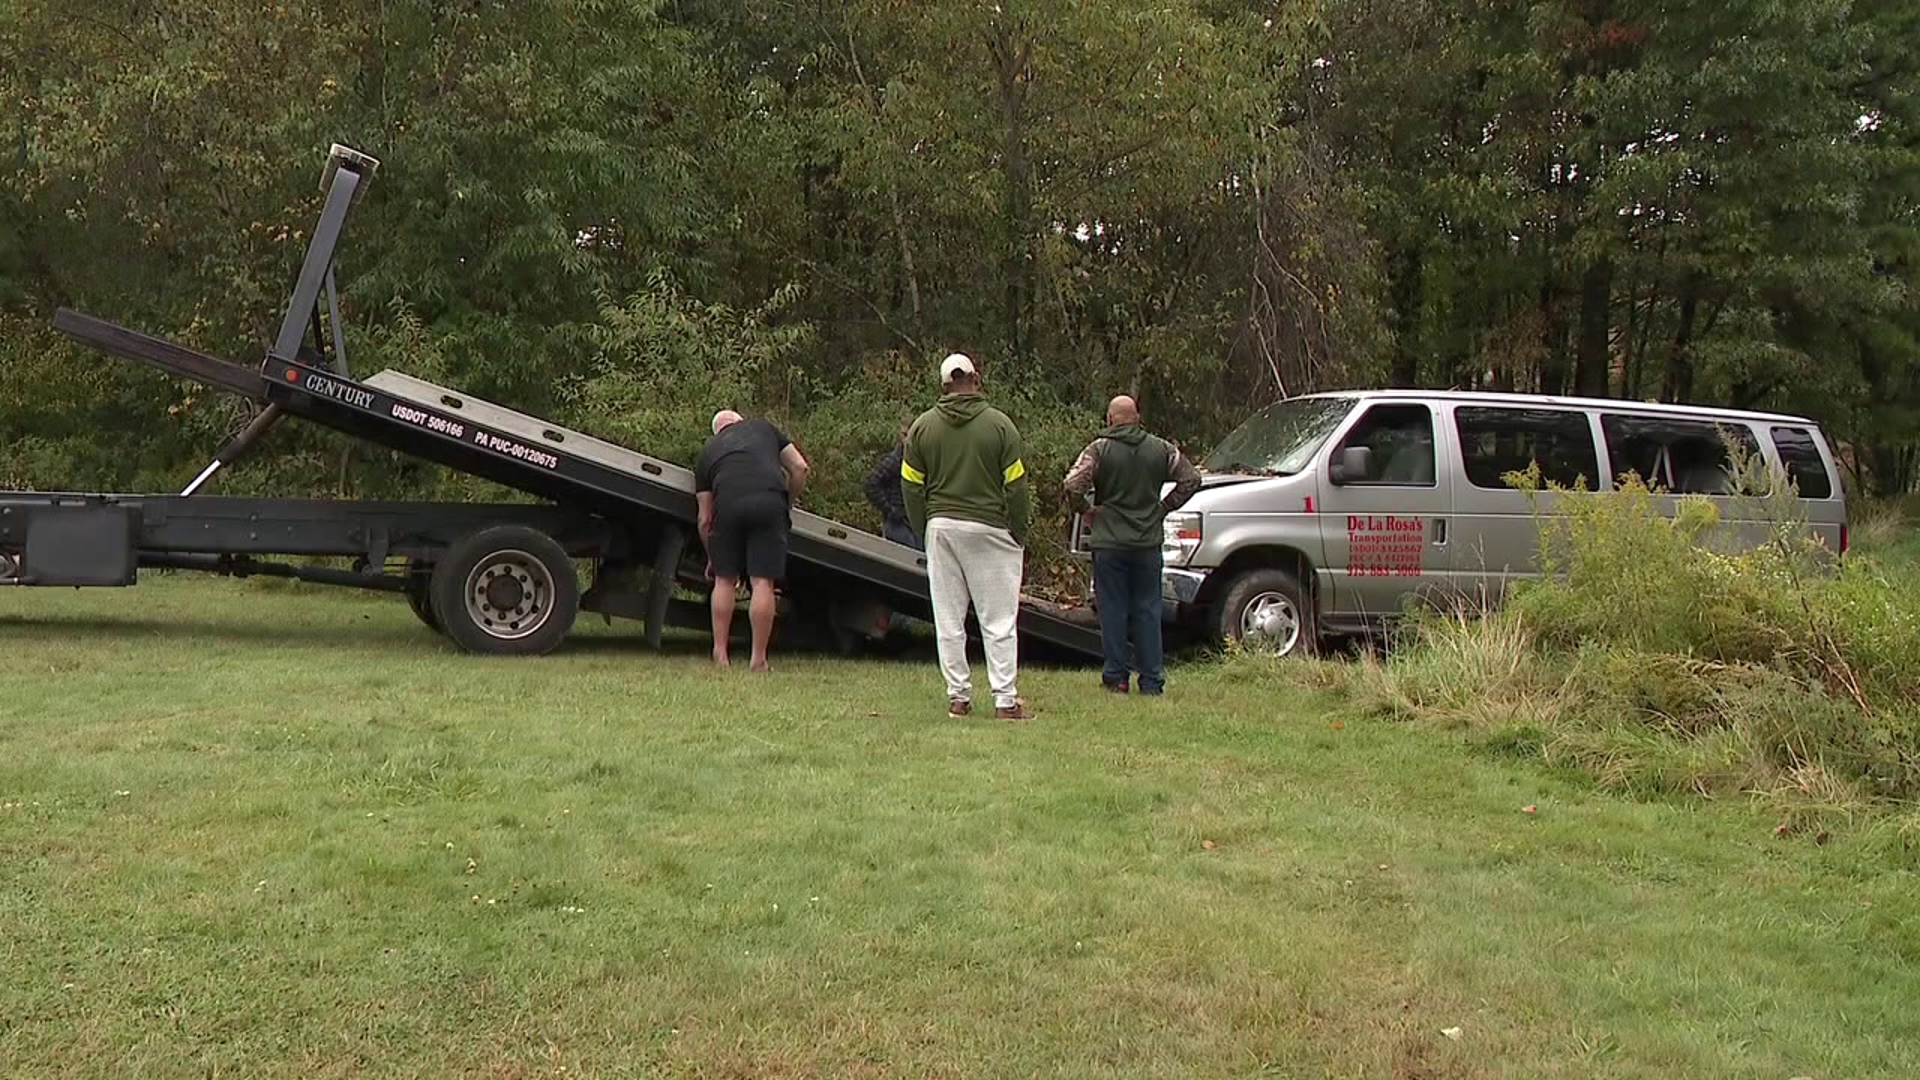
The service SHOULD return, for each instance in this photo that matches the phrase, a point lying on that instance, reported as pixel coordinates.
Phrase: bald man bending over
(1119, 475)
(745, 481)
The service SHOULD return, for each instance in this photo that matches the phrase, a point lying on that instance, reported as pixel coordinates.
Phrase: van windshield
(1280, 439)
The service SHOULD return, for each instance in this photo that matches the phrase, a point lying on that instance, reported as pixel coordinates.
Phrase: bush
(1660, 657)
(666, 362)
(1621, 573)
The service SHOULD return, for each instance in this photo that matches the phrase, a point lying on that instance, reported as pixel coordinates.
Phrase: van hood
(1209, 481)
(1241, 493)
(1212, 480)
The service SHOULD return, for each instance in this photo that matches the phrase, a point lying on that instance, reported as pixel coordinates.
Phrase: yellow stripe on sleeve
(910, 474)
(1015, 471)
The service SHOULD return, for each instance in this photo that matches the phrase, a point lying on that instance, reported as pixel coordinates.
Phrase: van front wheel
(1267, 611)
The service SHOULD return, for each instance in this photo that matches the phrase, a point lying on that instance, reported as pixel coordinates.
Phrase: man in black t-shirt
(745, 481)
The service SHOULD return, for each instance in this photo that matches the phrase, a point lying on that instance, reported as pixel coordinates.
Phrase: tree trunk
(906, 249)
(1637, 351)
(1680, 361)
(1890, 469)
(1553, 342)
(1594, 358)
(1011, 71)
(1629, 361)
(910, 278)
(1405, 316)
(1890, 463)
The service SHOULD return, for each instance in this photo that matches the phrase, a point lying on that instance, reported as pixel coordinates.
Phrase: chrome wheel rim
(509, 595)
(1270, 622)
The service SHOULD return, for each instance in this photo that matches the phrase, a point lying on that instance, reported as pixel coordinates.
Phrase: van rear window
(1805, 467)
(1685, 457)
(1495, 442)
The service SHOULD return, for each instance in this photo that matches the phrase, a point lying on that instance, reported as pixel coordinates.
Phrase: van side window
(1401, 438)
(1685, 457)
(1495, 442)
(1805, 467)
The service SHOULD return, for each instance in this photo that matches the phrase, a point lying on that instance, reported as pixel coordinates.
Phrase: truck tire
(853, 620)
(1267, 610)
(420, 594)
(506, 591)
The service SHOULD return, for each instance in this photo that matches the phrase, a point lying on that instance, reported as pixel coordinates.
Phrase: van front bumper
(1178, 590)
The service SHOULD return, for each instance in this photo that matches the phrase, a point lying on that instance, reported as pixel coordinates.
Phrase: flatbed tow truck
(494, 578)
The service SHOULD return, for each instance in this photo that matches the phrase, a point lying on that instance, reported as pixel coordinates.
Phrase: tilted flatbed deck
(525, 452)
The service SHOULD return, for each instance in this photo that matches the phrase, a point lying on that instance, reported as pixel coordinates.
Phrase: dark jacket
(964, 460)
(1121, 474)
(883, 488)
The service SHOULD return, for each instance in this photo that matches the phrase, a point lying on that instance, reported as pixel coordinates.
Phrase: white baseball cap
(955, 364)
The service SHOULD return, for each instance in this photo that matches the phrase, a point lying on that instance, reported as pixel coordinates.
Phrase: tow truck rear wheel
(508, 590)
(420, 593)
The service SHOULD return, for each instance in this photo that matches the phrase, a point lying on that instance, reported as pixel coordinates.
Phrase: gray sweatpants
(981, 564)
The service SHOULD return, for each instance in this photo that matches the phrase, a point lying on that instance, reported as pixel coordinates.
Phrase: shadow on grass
(94, 628)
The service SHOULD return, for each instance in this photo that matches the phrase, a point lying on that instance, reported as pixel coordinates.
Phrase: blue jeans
(901, 533)
(1126, 585)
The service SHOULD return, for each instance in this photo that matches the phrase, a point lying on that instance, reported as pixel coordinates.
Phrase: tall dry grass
(1677, 652)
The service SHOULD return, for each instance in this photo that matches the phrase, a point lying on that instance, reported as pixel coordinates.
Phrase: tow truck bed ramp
(175, 359)
(675, 480)
(874, 559)
(442, 424)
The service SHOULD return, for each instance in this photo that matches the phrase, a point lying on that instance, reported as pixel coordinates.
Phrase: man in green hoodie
(964, 477)
(1120, 474)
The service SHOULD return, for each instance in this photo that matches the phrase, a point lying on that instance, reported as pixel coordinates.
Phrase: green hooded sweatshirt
(964, 460)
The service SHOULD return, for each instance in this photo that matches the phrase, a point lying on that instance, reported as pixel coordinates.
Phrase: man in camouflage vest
(1120, 476)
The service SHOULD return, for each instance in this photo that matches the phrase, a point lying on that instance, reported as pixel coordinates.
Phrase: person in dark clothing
(1120, 475)
(745, 482)
(882, 489)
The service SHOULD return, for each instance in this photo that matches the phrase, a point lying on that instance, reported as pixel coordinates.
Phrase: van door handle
(1439, 530)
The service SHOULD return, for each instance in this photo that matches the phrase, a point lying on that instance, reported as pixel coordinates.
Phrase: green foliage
(1624, 572)
(1632, 576)
(1199, 202)
(1656, 664)
(1701, 201)
(665, 363)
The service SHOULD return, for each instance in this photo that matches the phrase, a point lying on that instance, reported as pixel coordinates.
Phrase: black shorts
(750, 537)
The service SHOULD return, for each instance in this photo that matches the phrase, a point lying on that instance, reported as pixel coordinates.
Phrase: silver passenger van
(1325, 514)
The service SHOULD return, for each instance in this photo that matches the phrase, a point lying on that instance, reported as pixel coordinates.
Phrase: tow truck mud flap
(80, 546)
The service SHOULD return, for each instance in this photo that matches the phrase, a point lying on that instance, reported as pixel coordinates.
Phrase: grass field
(250, 831)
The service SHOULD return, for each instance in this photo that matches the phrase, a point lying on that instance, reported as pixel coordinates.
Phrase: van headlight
(1181, 537)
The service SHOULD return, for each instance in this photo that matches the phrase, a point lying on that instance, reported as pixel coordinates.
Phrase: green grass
(250, 831)
(1887, 531)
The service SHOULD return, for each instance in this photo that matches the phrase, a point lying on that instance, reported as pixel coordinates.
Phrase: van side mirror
(1353, 465)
